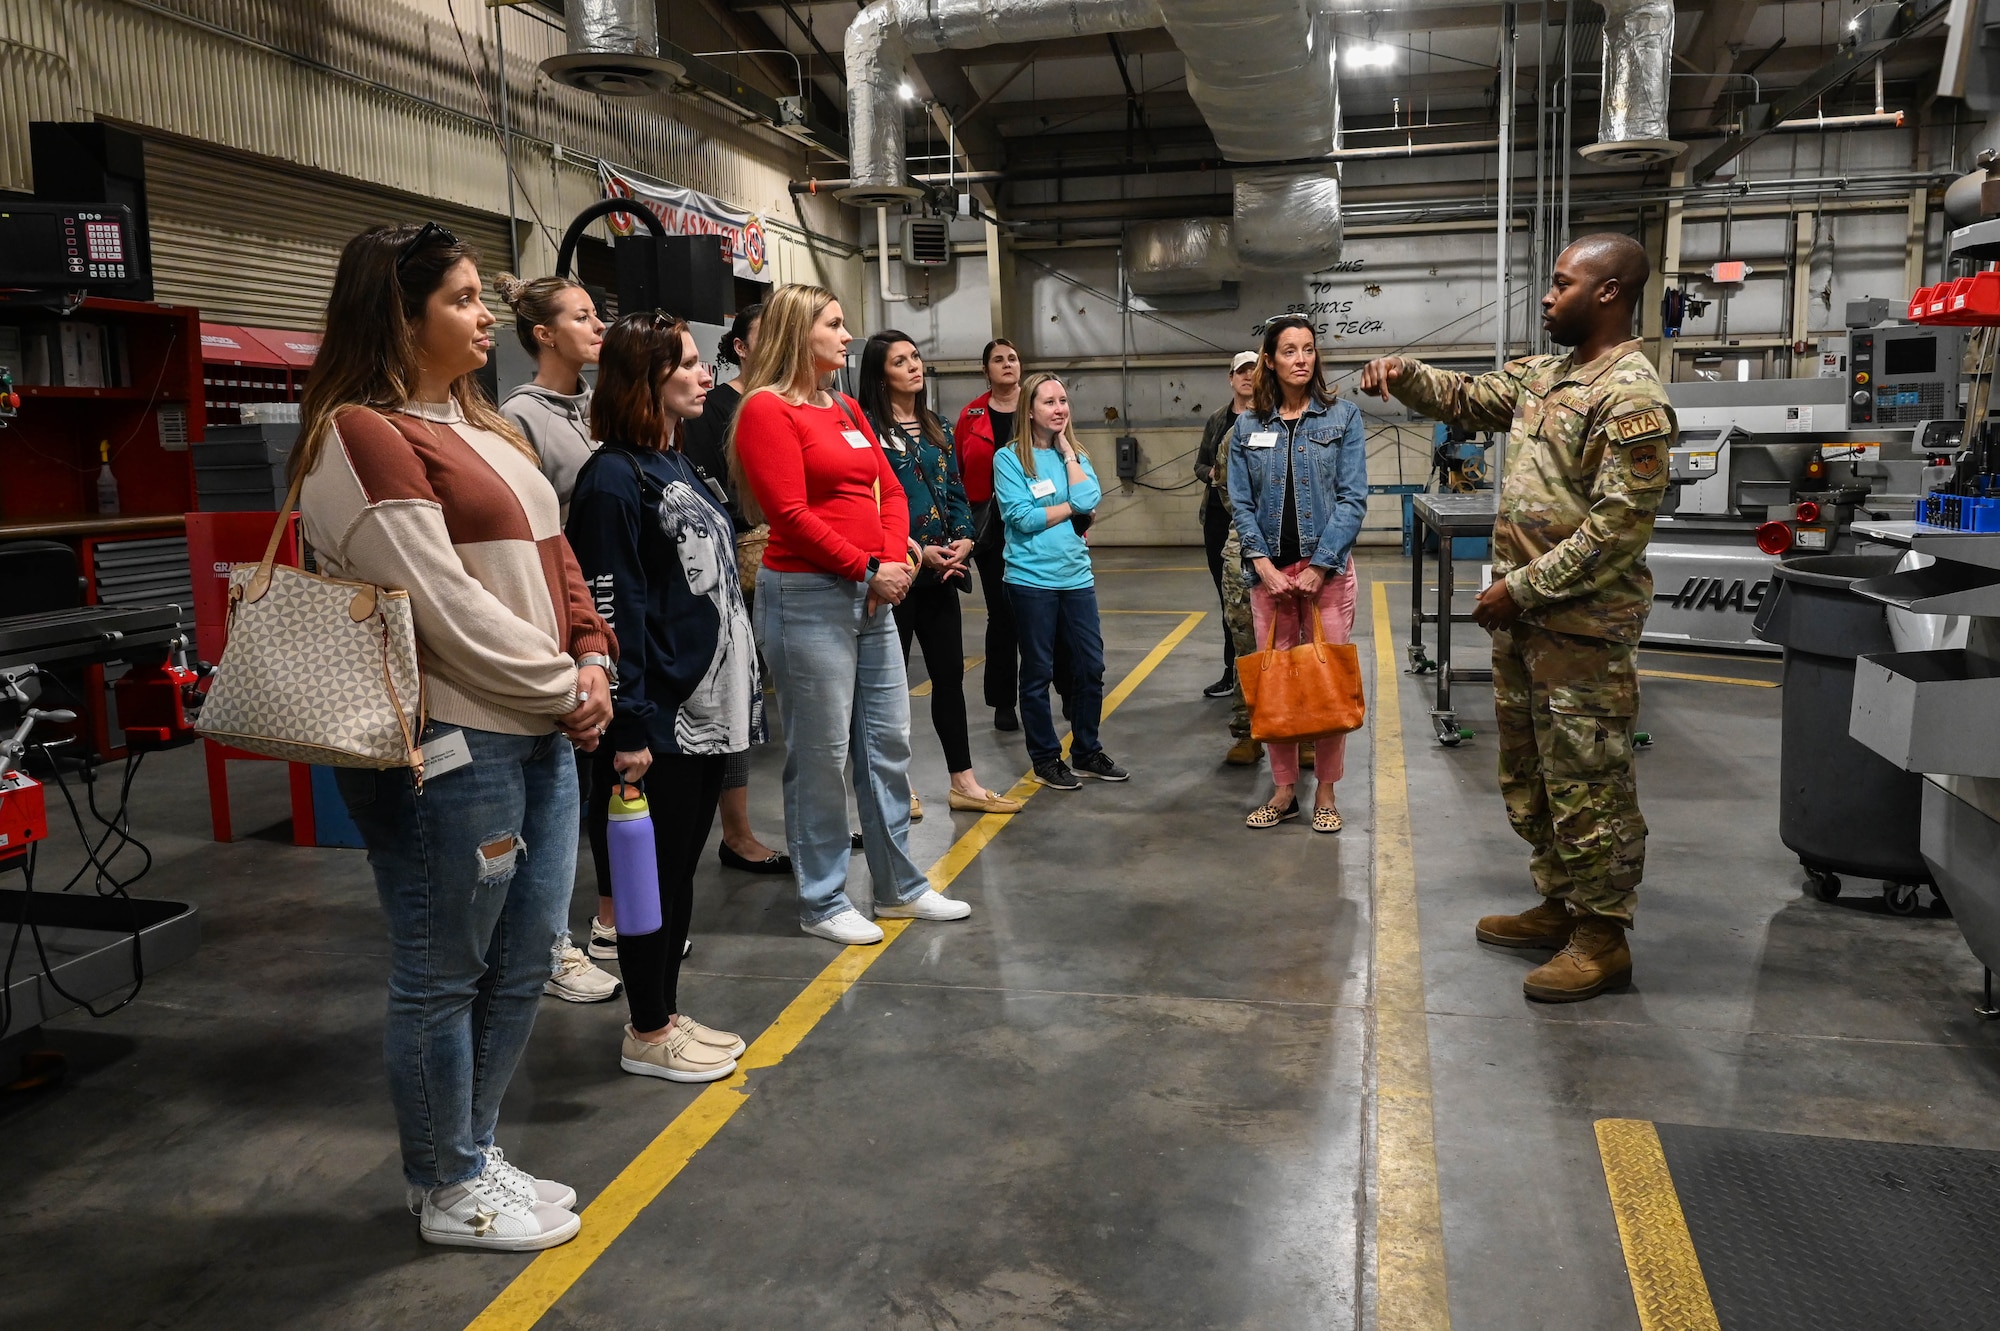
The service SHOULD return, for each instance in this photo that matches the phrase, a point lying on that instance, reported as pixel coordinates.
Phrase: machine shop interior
(1181, 1065)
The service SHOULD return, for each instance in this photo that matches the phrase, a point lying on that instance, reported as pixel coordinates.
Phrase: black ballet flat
(779, 862)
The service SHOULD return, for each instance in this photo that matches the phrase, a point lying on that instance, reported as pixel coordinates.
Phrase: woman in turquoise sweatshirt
(1047, 494)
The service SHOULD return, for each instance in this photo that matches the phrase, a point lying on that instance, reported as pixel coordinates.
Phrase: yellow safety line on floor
(1409, 1224)
(923, 690)
(532, 1293)
(1710, 679)
(1667, 1284)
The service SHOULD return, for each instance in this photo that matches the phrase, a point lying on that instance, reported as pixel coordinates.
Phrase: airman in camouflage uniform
(1236, 619)
(1587, 463)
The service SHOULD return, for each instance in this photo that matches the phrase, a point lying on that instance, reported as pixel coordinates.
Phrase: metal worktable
(1451, 516)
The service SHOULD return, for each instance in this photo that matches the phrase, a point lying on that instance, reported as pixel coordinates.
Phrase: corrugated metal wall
(252, 243)
(377, 91)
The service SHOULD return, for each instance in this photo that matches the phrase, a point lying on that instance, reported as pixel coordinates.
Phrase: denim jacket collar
(1312, 409)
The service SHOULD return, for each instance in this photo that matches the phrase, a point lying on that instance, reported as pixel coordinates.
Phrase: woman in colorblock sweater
(414, 481)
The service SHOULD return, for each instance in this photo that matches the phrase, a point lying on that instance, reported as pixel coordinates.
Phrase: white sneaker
(603, 941)
(487, 1212)
(546, 1191)
(575, 980)
(849, 927)
(925, 905)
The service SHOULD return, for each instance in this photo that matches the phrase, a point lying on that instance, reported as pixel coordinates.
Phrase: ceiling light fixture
(1370, 55)
(906, 92)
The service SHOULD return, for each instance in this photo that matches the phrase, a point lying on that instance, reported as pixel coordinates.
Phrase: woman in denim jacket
(1298, 483)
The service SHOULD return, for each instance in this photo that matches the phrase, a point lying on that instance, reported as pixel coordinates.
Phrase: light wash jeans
(475, 874)
(841, 689)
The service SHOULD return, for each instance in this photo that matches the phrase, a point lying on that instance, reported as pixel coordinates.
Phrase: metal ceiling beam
(955, 95)
(1718, 38)
(1917, 19)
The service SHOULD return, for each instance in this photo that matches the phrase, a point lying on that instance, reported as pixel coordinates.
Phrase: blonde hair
(1024, 421)
(781, 363)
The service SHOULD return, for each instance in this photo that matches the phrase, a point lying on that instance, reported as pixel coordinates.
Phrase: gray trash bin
(1841, 808)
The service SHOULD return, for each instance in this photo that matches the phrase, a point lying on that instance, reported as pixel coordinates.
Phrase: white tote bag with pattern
(316, 670)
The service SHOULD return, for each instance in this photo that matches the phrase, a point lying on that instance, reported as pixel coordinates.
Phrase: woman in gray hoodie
(558, 325)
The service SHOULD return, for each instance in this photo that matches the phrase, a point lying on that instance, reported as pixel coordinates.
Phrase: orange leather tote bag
(1305, 691)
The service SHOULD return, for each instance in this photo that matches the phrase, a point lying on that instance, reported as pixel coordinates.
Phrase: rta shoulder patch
(1637, 425)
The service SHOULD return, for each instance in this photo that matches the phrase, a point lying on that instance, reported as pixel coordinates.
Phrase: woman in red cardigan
(838, 559)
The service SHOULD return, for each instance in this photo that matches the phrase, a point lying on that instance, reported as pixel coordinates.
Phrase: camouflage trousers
(1565, 706)
(1236, 619)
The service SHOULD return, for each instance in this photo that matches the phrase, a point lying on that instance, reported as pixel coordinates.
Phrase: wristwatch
(874, 567)
(598, 659)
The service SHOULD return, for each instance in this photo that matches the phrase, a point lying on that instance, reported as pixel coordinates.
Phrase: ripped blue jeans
(475, 876)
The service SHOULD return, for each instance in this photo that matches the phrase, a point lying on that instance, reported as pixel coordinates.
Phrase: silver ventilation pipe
(1265, 78)
(882, 37)
(1632, 120)
(614, 48)
(1179, 257)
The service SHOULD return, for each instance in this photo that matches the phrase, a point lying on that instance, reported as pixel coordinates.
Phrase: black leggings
(1003, 649)
(931, 616)
(681, 792)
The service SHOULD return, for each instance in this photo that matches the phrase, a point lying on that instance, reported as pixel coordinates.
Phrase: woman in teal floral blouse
(922, 454)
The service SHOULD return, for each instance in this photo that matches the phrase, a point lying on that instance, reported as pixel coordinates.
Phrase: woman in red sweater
(807, 463)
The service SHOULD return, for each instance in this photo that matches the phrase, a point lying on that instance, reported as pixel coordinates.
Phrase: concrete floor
(1130, 1092)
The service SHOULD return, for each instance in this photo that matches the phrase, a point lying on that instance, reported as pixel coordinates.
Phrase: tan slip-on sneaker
(679, 1057)
(916, 808)
(727, 1041)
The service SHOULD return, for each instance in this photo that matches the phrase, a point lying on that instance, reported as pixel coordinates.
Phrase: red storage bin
(1918, 304)
(1975, 300)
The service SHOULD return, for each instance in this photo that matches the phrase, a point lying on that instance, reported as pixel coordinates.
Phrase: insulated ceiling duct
(1262, 72)
(614, 49)
(882, 36)
(1182, 257)
(1632, 119)
(1288, 220)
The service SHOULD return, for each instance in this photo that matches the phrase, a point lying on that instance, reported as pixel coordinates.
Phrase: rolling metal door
(255, 243)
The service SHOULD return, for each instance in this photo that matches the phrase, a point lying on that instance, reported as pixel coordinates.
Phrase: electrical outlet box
(1128, 458)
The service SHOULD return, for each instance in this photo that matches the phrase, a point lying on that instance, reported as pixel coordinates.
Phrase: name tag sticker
(1262, 439)
(446, 753)
(855, 439)
(1041, 489)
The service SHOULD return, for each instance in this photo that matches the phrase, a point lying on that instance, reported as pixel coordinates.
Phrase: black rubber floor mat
(1826, 1234)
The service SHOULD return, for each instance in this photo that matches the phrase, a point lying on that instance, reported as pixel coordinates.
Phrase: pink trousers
(1335, 606)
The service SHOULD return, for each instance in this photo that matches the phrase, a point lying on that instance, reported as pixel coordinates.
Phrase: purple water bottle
(635, 869)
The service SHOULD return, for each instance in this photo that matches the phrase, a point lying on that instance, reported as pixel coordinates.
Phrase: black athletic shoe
(1004, 718)
(1055, 774)
(1099, 765)
(854, 840)
(1222, 688)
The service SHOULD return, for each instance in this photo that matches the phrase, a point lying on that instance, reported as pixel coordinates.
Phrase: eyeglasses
(416, 242)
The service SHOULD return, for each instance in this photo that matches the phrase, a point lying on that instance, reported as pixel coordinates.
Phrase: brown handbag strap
(260, 581)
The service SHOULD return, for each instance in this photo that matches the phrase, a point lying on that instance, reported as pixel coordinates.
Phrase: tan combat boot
(1595, 960)
(1547, 925)
(1244, 752)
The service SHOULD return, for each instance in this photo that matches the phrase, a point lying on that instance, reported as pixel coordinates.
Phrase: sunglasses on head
(429, 231)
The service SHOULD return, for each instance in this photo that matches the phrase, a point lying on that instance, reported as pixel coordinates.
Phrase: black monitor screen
(30, 247)
(1908, 355)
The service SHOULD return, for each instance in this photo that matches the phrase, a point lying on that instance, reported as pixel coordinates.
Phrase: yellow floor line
(1710, 679)
(1667, 1284)
(1409, 1225)
(536, 1290)
(923, 690)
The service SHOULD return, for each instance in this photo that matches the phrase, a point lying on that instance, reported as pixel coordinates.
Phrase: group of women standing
(561, 669)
